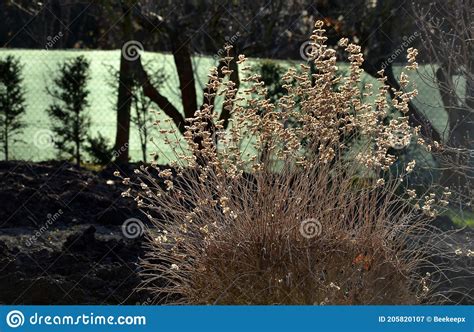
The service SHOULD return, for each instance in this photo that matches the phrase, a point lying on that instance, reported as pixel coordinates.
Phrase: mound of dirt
(61, 240)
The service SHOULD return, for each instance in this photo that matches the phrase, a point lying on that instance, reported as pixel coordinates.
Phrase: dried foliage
(294, 203)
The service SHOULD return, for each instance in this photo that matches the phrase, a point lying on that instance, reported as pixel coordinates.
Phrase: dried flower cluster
(227, 212)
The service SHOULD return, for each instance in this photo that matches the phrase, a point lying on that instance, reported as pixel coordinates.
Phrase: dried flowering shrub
(294, 202)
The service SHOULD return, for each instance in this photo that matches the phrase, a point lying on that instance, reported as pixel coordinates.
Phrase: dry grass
(350, 249)
(304, 217)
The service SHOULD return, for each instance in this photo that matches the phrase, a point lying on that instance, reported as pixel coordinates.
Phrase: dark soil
(61, 240)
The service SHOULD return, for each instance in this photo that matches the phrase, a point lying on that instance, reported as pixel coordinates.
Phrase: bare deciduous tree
(201, 26)
(448, 38)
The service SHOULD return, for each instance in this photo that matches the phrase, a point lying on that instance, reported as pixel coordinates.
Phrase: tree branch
(151, 92)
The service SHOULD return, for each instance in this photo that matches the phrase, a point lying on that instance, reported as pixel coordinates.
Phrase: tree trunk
(234, 77)
(77, 138)
(144, 153)
(184, 67)
(458, 158)
(469, 123)
(78, 153)
(144, 140)
(124, 100)
(5, 144)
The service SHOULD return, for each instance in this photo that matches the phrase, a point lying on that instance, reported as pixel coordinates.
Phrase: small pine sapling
(67, 112)
(12, 102)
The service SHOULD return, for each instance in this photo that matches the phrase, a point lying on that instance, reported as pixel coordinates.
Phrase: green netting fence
(40, 67)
